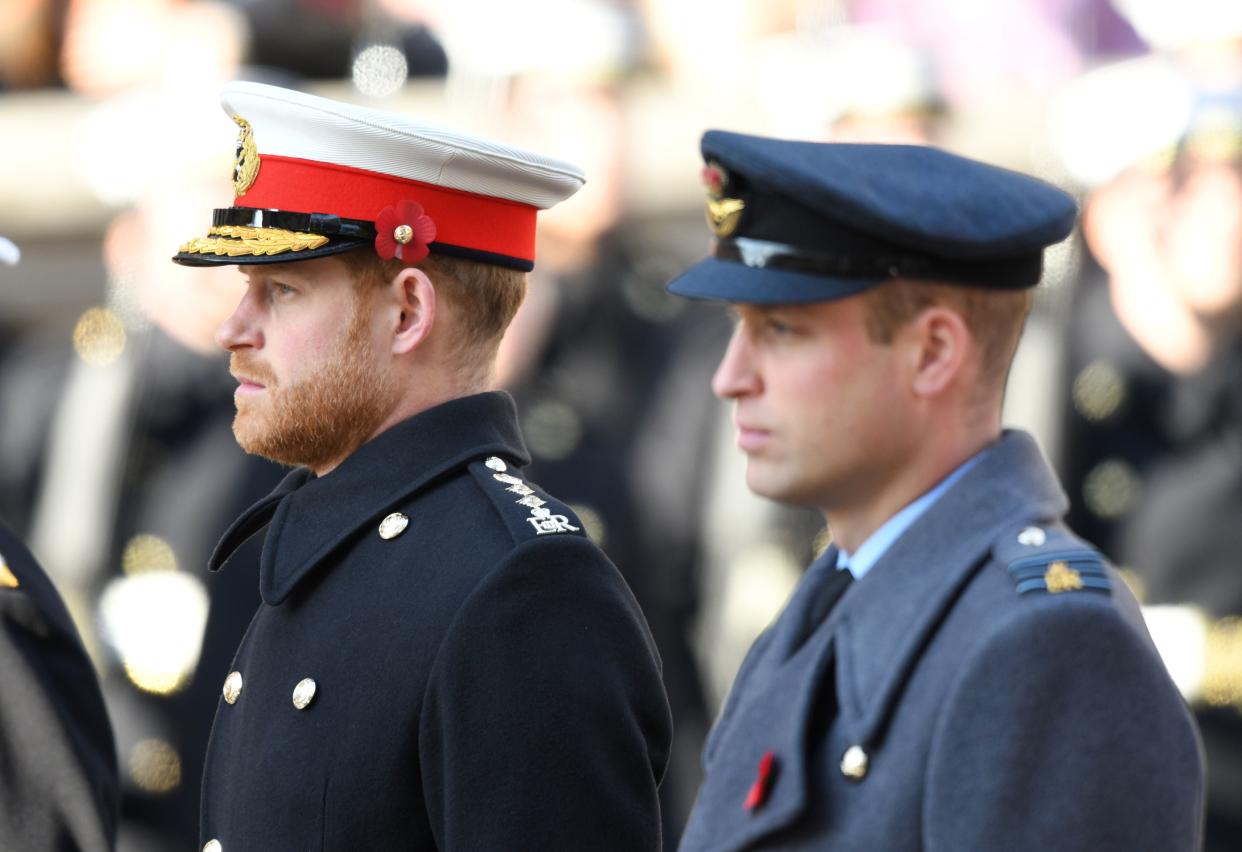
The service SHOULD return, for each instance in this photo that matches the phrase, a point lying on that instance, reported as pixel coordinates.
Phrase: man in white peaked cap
(442, 659)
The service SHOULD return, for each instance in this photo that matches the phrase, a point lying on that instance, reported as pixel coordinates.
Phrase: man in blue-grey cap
(957, 671)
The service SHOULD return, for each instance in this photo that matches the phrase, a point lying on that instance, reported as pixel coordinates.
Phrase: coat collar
(886, 619)
(311, 516)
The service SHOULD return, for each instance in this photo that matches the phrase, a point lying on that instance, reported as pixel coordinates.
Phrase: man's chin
(253, 436)
(761, 481)
(773, 484)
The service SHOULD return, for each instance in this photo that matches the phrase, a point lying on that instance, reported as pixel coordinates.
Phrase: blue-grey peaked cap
(813, 221)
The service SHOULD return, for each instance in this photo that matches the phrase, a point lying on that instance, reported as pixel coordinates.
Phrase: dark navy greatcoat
(988, 685)
(482, 678)
(59, 790)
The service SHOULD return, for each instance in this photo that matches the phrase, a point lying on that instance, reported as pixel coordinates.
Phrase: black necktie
(827, 595)
(828, 585)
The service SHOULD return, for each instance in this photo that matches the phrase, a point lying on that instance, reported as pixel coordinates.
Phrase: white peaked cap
(315, 176)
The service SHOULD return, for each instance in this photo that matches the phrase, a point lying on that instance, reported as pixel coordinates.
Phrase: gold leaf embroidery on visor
(242, 240)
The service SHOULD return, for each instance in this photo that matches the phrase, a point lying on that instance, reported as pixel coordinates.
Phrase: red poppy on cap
(403, 230)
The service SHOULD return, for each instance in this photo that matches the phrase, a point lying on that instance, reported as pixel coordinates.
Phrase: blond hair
(994, 317)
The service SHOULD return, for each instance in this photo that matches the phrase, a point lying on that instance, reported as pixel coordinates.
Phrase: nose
(241, 330)
(736, 376)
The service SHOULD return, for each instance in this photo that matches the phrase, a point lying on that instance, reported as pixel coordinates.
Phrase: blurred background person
(1151, 447)
(612, 401)
(59, 788)
(128, 476)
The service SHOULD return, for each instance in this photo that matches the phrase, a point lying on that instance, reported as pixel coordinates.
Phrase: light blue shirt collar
(878, 543)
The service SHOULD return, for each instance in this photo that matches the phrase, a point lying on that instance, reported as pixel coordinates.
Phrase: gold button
(1032, 537)
(232, 687)
(496, 464)
(403, 234)
(393, 525)
(213, 845)
(304, 693)
(854, 763)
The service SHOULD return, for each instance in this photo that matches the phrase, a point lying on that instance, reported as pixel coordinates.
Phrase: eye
(777, 327)
(283, 291)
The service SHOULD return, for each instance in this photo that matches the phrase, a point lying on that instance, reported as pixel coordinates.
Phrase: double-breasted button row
(303, 695)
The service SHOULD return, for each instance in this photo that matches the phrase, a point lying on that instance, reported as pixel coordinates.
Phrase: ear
(415, 303)
(940, 346)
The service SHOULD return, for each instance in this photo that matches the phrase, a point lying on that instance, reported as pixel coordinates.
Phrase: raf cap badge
(723, 214)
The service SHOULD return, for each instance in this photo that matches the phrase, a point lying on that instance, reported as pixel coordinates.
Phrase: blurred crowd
(118, 466)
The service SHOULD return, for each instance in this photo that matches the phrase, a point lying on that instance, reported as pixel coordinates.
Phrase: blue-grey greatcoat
(482, 677)
(996, 678)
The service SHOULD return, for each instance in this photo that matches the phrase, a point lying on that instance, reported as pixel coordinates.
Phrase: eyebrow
(739, 310)
(266, 272)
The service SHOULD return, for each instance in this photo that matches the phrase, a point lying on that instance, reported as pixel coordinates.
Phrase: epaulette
(527, 511)
(1051, 560)
(8, 580)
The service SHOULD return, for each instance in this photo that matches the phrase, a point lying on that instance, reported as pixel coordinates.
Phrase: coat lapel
(888, 618)
(772, 709)
(774, 713)
(309, 517)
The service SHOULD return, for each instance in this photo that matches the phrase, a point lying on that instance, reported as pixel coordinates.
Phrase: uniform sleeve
(1064, 732)
(545, 724)
(58, 777)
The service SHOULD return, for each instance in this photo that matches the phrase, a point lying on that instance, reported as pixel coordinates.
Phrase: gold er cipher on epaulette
(540, 518)
(242, 240)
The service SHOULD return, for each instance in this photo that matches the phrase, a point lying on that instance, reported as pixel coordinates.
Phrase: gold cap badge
(723, 214)
(246, 164)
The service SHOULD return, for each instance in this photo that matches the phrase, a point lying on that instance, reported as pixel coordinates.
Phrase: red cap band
(464, 219)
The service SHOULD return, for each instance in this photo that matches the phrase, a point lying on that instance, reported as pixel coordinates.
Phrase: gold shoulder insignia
(8, 579)
(1061, 578)
(1068, 570)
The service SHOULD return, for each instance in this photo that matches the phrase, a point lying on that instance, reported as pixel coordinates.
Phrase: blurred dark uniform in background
(618, 417)
(58, 776)
(58, 779)
(1151, 440)
(175, 479)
